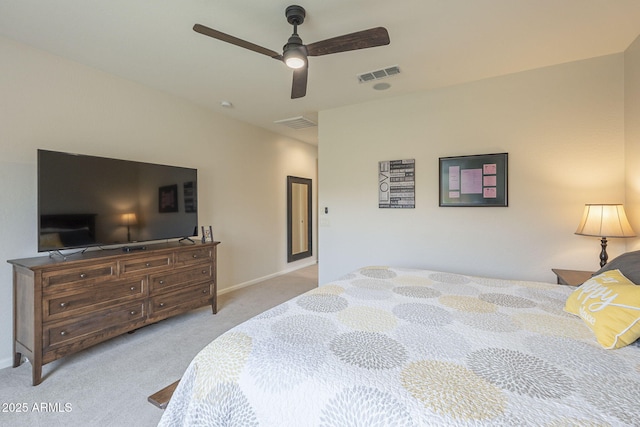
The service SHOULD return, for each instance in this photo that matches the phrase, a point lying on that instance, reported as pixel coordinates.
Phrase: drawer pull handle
(161, 282)
(161, 304)
(148, 264)
(204, 271)
(83, 275)
(63, 333)
(205, 291)
(132, 312)
(195, 255)
(63, 304)
(133, 288)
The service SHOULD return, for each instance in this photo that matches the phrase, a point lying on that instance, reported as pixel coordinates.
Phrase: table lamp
(606, 220)
(129, 219)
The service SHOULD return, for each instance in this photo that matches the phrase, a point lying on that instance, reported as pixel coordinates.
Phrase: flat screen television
(86, 201)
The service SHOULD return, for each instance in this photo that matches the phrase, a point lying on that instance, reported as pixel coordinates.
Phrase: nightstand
(572, 277)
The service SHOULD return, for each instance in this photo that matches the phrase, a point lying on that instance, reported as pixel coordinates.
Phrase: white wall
(51, 103)
(632, 137)
(563, 127)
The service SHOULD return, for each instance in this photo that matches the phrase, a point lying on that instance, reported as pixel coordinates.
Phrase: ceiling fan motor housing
(295, 42)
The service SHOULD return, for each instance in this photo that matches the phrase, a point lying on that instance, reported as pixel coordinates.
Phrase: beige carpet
(108, 384)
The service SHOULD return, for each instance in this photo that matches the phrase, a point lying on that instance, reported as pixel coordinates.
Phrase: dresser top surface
(104, 254)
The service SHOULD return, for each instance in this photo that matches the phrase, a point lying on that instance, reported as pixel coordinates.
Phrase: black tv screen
(88, 201)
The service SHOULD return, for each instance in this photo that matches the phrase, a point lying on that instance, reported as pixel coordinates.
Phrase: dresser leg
(17, 358)
(36, 371)
(36, 367)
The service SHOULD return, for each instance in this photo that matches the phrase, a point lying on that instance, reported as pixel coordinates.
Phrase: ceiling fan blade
(359, 40)
(299, 87)
(235, 41)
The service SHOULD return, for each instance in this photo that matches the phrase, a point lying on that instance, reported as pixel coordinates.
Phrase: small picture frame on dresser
(207, 234)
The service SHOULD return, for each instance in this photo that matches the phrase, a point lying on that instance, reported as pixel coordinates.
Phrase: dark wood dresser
(62, 306)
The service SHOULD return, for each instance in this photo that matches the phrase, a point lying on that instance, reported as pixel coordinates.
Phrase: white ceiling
(434, 42)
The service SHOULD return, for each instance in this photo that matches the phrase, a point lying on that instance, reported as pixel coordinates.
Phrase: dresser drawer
(194, 256)
(79, 328)
(56, 305)
(186, 298)
(142, 264)
(179, 278)
(93, 272)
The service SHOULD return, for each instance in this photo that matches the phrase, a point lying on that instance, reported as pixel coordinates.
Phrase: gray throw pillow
(628, 264)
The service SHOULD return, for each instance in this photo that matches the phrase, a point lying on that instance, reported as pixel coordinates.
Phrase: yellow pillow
(609, 304)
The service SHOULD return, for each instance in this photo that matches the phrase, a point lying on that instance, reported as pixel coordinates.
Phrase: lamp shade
(605, 221)
(129, 219)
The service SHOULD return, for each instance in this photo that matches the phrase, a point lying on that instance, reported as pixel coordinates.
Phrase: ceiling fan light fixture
(294, 56)
(294, 62)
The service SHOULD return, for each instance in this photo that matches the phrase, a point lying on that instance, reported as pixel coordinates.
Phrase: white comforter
(398, 347)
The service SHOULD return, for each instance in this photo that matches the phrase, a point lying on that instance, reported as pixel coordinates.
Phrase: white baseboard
(270, 276)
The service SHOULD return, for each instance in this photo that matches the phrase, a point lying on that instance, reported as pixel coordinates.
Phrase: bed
(404, 347)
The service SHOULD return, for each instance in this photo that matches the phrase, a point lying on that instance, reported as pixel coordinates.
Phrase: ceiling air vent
(296, 123)
(378, 74)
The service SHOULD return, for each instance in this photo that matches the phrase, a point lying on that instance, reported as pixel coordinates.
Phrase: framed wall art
(477, 180)
(190, 202)
(397, 183)
(168, 198)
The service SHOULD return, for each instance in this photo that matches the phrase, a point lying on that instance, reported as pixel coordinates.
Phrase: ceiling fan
(295, 53)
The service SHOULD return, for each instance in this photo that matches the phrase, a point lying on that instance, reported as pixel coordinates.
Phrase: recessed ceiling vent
(379, 74)
(299, 122)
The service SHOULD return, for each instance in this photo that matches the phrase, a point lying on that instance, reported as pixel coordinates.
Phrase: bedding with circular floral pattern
(404, 347)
